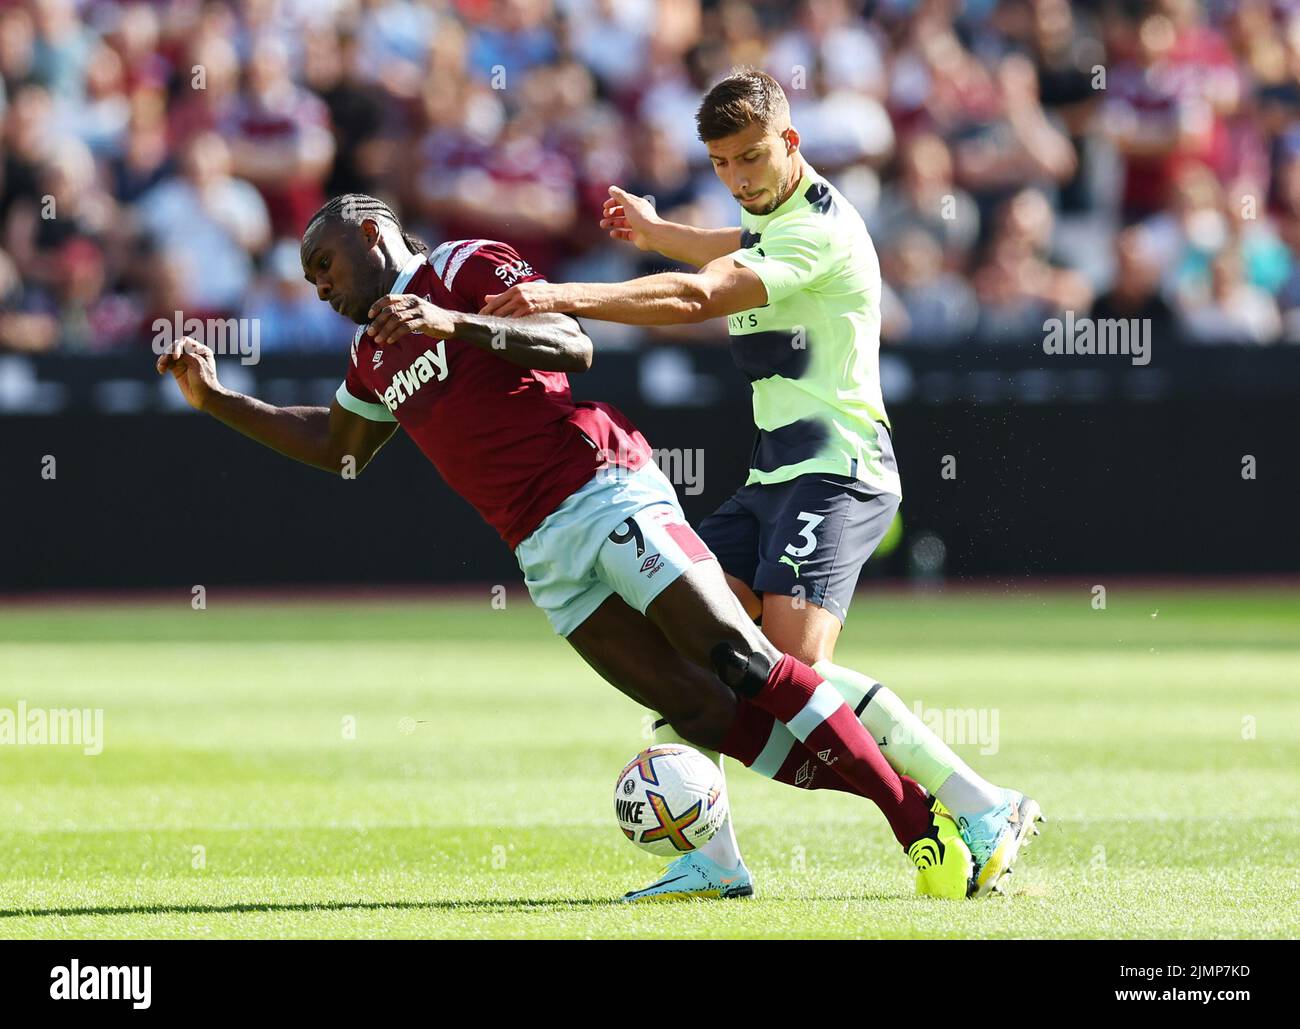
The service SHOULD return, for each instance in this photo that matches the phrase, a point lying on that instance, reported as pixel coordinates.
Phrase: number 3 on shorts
(810, 523)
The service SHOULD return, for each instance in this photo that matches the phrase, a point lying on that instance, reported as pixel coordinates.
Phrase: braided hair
(354, 208)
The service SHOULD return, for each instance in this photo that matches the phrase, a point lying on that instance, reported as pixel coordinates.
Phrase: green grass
(475, 798)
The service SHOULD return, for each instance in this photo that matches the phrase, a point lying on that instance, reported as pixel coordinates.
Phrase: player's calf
(701, 719)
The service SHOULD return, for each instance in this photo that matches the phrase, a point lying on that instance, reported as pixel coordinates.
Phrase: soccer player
(799, 284)
(602, 541)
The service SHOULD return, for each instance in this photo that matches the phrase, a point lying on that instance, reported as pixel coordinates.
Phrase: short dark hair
(745, 96)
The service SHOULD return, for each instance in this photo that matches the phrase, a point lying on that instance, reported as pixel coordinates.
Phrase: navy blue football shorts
(808, 537)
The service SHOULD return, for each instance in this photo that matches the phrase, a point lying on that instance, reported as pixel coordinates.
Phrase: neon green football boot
(942, 859)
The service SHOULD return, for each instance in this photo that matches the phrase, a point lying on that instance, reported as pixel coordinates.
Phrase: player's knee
(740, 667)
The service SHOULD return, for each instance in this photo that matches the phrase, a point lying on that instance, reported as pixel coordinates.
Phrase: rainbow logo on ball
(670, 799)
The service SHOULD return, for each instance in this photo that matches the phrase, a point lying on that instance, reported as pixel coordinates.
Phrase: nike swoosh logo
(664, 883)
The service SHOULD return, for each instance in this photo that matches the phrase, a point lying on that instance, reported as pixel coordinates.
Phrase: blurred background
(1014, 160)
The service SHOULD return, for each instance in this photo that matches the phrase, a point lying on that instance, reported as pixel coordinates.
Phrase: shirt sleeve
(790, 256)
(484, 269)
(355, 396)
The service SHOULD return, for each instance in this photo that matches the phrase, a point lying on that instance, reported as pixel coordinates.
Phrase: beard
(778, 196)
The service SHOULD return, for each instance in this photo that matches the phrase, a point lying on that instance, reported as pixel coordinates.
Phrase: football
(670, 799)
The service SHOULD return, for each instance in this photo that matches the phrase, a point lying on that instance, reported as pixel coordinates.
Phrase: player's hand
(629, 217)
(194, 369)
(399, 314)
(524, 299)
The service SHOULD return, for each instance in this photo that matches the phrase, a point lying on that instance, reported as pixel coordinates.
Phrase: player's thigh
(698, 611)
(794, 626)
(631, 653)
(732, 534)
(821, 531)
(658, 564)
(749, 600)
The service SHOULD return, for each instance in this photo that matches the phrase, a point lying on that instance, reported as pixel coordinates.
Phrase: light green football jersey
(812, 353)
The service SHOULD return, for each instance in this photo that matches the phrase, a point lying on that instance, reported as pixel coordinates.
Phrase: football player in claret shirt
(799, 284)
(594, 524)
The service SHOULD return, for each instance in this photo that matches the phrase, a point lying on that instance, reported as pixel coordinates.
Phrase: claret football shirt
(510, 440)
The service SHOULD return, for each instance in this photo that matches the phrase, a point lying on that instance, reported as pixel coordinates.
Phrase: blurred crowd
(1014, 159)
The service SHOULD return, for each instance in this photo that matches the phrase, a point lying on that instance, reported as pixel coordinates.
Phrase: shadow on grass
(507, 904)
(339, 905)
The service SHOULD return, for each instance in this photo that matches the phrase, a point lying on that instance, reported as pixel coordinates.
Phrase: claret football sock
(817, 716)
(767, 747)
(909, 745)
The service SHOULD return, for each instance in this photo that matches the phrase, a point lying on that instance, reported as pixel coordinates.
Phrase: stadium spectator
(924, 197)
(1228, 309)
(1135, 286)
(62, 48)
(512, 117)
(209, 224)
(286, 310)
(66, 206)
(843, 129)
(363, 147)
(829, 36)
(940, 307)
(1020, 282)
(100, 120)
(144, 159)
(610, 37)
(26, 143)
(22, 327)
(280, 138)
(17, 47)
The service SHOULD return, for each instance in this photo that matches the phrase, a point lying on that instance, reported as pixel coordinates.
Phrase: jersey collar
(408, 271)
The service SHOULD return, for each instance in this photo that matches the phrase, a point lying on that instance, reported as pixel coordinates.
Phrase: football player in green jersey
(799, 284)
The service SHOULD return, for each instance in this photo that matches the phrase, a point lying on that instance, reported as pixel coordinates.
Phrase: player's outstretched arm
(547, 342)
(722, 287)
(329, 438)
(633, 218)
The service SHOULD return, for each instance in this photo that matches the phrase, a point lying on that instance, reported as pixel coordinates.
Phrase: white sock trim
(775, 751)
(824, 702)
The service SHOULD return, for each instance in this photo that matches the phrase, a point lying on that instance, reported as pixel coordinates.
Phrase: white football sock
(962, 797)
(909, 745)
(722, 848)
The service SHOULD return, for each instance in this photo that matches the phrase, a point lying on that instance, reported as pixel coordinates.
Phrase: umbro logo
(378, 359)
(651, 565)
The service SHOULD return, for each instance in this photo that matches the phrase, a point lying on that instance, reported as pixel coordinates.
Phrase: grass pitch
(444, 769)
